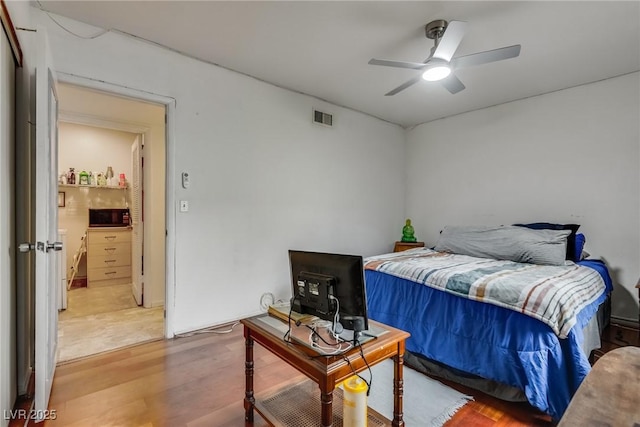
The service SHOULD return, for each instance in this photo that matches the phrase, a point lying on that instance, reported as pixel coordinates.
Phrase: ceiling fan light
(438, 72)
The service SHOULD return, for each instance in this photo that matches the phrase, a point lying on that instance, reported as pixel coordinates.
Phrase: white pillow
(519, 244)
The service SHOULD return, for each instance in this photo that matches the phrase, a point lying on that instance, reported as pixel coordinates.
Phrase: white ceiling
(321, 48)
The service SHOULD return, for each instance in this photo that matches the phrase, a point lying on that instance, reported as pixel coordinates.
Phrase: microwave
(109, 217)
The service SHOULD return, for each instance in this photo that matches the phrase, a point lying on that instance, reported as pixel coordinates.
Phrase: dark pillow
(580, 241)
(571, 239)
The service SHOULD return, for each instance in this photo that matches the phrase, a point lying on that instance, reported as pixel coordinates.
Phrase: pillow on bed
(580, 253)
(512, 243)
(571, 239)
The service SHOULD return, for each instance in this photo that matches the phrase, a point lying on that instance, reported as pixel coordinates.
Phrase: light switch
(184, 206)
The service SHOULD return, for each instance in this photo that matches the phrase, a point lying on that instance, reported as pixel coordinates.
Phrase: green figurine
(407, 232)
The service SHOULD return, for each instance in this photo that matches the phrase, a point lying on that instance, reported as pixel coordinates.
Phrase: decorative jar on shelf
(109, 175)
(83, 178)
(71, 176)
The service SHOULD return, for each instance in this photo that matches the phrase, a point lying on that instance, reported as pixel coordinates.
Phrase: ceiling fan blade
(404, 86)
(486, 56)
(397, 64)
(450, 41)
(452, 84)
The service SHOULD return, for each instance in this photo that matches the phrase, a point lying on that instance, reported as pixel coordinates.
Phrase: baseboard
(629, 323)
(224, 324)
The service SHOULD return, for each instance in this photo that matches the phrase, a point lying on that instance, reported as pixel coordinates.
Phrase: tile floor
(103, 319)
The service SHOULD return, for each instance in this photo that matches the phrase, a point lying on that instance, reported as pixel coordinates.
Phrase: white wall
(264, 178)
(567, 157)
(91, 148)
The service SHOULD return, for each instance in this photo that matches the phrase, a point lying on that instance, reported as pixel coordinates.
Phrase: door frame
(170, 203)
(8, 258)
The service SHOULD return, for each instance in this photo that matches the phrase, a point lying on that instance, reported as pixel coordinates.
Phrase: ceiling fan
(440, 65)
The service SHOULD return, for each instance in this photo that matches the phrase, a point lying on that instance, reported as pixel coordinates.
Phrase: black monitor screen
(316, 275)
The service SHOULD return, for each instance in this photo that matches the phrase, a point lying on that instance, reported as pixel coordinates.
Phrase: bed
(486, 313)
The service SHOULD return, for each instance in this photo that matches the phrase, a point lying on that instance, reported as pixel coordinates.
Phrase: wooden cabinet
(403, 246)
(108, 256)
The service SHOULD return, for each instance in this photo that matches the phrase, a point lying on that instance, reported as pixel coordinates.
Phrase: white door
(46, 226)
(137, 278)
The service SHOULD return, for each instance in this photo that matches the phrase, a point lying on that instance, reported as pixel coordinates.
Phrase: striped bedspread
(551, 294)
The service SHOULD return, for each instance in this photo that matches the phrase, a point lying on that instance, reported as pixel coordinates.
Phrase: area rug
(426, 402)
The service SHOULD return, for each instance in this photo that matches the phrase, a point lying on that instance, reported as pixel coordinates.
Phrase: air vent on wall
(322, 118)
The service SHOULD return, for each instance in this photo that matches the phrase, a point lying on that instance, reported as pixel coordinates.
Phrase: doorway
(97, 133)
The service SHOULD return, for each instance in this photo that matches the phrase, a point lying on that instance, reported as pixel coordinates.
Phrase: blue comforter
(487, 340)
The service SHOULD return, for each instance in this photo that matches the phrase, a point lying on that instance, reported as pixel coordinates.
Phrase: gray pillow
(519, 244)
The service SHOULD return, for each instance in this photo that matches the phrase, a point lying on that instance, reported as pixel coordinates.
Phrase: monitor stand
(364, 336)
(347, 335)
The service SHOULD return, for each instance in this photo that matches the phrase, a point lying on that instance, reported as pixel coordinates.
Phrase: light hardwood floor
(192, 381)
(199, 381)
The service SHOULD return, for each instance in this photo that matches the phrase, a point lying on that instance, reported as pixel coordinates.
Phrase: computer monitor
(315, 276)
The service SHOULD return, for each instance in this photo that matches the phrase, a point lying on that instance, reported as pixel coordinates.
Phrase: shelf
(105, 187)
(299, 405)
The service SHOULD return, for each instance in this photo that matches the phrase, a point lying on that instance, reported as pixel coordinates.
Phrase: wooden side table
(403, 246)
(325, 371)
